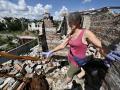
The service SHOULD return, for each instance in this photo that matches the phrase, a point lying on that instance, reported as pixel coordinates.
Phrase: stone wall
(106, 26)
(86, 22)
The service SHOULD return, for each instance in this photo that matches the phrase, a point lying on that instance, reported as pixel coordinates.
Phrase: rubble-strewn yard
(49, 74)
(14, 73)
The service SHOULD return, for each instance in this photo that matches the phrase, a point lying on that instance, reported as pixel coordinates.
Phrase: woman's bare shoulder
(88, 32)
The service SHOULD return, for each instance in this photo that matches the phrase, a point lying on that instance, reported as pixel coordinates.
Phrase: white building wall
(34, 26)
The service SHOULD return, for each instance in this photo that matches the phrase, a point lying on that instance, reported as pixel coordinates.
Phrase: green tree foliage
(2, 26)
(14, 24)
(9, 41)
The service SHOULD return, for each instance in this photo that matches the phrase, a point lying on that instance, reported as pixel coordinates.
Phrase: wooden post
(43, 39)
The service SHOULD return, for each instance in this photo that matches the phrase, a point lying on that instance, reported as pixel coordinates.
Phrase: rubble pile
(52, 39)
(13, 74)
(57, 78)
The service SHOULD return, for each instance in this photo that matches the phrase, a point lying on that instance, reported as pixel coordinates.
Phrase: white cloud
(22, 5)
(85, 1)
(21, 9)
(47, 8)
(6, 5)
(64, 10)
(92, 9)
(38, 9)
(58, 14)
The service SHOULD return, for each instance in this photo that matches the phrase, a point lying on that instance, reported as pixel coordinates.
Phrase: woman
(78, 41)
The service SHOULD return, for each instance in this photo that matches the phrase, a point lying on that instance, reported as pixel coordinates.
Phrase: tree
(15, 24)
(2, 26)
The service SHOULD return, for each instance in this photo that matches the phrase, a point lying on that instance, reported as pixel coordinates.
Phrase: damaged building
(24, 68)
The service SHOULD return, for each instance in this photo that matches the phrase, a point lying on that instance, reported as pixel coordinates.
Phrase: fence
(21, 50)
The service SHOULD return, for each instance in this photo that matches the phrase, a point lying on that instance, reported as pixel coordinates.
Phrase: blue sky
(35, 8)
(73, 4)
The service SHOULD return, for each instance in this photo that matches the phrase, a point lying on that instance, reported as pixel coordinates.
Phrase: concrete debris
(2, 80)
(118, 47)
(55, 74)
(28, 69)
(5, 82)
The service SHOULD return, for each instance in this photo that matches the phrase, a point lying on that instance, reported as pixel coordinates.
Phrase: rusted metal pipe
(14, 57)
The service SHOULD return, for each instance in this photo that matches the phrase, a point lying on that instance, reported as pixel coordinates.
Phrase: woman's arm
(61, 46)
(93, 39)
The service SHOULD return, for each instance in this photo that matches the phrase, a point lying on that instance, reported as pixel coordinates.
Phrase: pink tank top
(77, 48)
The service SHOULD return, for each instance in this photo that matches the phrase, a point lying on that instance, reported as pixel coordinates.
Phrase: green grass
(8, 39)
(11, 32)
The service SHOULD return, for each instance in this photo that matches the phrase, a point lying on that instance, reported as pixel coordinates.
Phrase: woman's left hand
(114, 56)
